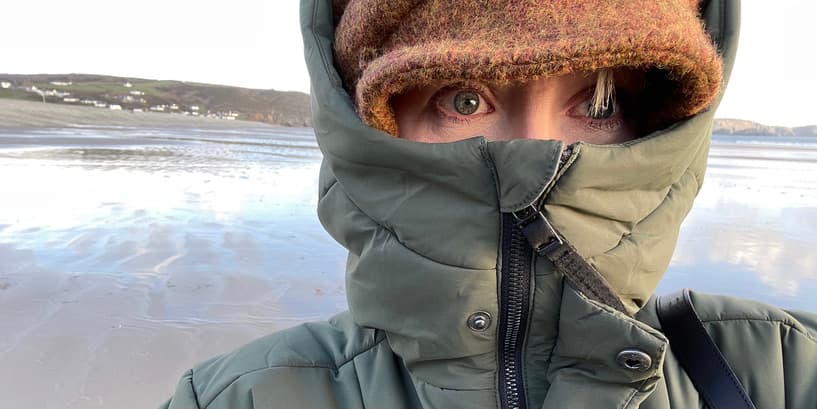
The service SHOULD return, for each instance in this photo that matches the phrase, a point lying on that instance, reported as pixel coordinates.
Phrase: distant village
(131, 97)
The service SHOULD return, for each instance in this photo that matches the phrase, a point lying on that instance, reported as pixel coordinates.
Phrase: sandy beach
(129, 253)
(30, 114)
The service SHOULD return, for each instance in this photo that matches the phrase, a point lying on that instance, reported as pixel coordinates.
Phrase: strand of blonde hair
(604, 94)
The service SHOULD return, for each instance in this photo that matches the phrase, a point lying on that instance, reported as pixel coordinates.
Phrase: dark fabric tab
(547, 242)
(589, 281)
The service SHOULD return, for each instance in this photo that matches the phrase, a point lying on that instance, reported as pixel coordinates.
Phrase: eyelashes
(467, 104)
(462, 103)
(608, 117)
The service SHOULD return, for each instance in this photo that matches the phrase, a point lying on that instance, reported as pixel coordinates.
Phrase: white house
(137, 93)
(115, 107)
(5, 84)
(127, 84)
(58, 94)
(70, 99)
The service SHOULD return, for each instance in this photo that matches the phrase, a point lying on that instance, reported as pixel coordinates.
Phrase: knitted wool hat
(383, 48)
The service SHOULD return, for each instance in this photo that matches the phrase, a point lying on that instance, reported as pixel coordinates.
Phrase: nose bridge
(535, 115)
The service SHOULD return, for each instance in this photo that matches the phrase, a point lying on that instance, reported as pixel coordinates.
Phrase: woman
(509, 178)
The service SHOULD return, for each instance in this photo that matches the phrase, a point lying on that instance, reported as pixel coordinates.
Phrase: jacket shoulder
(719, 310)
(773, 352)
(286, 362)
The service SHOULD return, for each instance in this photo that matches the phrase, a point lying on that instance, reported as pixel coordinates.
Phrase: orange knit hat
(383, 48)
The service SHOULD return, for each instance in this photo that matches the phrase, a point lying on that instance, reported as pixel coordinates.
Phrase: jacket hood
(422, 221)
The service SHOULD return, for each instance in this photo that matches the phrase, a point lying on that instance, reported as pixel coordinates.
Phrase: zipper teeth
(515, 293)
(517, 286)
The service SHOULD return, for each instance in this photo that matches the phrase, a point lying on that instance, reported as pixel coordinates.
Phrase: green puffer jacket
(449, 309)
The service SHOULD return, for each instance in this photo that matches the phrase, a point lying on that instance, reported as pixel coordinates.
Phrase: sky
(257, 44)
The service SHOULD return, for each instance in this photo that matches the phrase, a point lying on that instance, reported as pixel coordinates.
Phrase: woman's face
(545, 108)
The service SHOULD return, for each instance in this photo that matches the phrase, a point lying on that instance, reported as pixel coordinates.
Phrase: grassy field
(18, 94)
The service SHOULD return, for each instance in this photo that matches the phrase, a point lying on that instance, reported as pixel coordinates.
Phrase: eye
(594, 111)
(603, 110)
(462, 103)
(466, 102)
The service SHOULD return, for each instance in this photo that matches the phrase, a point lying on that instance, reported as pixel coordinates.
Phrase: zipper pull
(537, 229)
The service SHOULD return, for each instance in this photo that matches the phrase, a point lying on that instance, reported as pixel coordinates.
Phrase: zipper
(515, 288)
(517, 258)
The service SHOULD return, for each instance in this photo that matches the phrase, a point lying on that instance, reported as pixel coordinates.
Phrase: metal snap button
(479, 321)
(634, 360)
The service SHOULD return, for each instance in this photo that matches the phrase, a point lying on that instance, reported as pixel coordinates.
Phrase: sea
(128, 254)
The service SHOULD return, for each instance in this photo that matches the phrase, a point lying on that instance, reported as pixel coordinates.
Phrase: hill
(15, 113)
(144, 95)
(744, 127)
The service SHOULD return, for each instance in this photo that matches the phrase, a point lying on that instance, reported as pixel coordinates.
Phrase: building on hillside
(115, 107)
(194, 108)
(137, 110)
(137, 92)
(100, 104)
(70, 99)
(61, 83)
(5, 84)
(58, 94)
(127, 84)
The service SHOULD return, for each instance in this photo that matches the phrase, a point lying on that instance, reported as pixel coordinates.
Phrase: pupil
(466, 102)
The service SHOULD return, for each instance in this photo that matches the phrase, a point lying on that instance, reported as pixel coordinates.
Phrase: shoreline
(30, 114)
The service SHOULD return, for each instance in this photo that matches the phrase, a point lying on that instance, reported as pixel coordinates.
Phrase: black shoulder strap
(698, 354)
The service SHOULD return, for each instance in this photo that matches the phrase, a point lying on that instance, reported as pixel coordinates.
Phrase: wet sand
(128, 254)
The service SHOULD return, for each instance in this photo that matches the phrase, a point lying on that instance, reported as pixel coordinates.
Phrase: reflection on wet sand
(129, 254)
(753, 230)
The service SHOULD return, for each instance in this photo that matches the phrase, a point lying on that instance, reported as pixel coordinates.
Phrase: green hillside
(177, 97)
